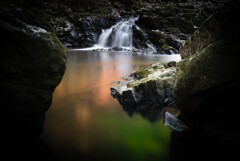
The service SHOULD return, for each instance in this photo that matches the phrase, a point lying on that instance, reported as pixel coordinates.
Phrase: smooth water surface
(84, 121)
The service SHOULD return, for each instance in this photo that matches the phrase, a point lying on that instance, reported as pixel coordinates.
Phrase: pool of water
(85, 122)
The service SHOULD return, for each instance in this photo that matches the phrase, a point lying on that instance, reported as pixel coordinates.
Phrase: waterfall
(118, 36)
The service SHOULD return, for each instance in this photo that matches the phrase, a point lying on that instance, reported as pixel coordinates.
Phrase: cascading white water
(118, 36)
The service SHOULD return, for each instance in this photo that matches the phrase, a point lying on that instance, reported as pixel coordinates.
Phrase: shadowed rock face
(207, 86)
(210, 59)
(33, 63)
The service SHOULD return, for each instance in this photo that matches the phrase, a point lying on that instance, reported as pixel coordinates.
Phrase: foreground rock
(152, 84)
(211, 60)
(33, 63)
(207, 86)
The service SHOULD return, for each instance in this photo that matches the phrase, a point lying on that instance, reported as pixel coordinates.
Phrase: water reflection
(84, 119)
(151, 112)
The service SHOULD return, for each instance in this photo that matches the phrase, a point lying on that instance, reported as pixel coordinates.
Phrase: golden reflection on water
(82, 118)
(82, 114)
(92, 79)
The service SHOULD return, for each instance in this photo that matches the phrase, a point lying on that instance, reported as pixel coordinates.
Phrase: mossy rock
(161, 42)
(156, 36)
(208, 33)
(212, 70)
(145, 71)
(33, 64)
(209, 68)
(151, 84)
(210, 57)
(160, 39)
(208, 81)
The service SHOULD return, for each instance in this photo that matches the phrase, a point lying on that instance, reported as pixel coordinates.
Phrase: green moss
(166, 47)
(59, 45)
(159, 33)
(44, 23)
(145, 71)
(138, 82)
(142, 73)
(170, 64)
(161, 42)
(207, 69)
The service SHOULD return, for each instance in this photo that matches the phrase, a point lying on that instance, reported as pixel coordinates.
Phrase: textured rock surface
(171, 23)
(207, 85)
(173, 123)
(210, 32)
(78, 24)
(33, 63)
(211, 57)
(152, 84)
(206, 89)
(73, 27)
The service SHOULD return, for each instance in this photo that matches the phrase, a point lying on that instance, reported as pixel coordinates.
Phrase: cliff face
(33, 63)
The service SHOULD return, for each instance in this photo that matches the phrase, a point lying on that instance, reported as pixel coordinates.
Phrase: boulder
(152, 84)
(208, 80)
(210, 32)
(174, 123)
(33, 64)
(210, 57)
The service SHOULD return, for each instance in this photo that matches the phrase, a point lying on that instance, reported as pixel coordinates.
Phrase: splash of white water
(118, 36)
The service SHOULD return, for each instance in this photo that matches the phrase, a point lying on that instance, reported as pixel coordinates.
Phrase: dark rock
(33, 63)
(165, 43)
(117, 48)
(140, 38)
(73, 27)
(85, 31)
(171, 64)
(210, 56)
(152, 84)
(176, 20)
(210, 32)
(174, 123)
(207, 80)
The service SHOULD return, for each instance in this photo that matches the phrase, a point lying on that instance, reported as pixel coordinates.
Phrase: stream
(85, 122)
